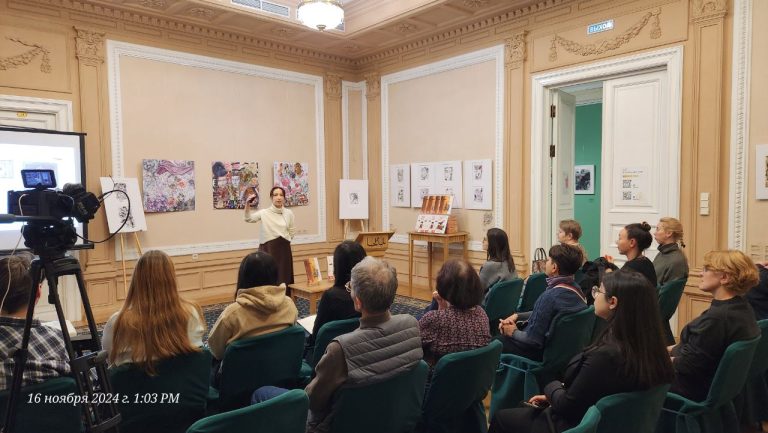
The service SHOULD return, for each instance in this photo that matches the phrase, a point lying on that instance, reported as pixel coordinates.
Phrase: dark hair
(272, 191)
(20, 282)
(571, 227)
(256, 269)
(567, 257)
(641, 233)
(636, 328)
(346, 255)
(459, 284)
(498, 247)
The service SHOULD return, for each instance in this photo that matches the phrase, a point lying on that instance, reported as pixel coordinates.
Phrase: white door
(639, 161)
(563, 115)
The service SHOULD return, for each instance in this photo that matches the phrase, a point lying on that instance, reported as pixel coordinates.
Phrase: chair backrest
(669, 296)
(392, 406)
(760, 359)
(460, 381)
(502, 301)
(41, 416)
(250, 363)
(631, 412)
(567, 336)
(534, 287)
(170, 401)
(731, 373)
(589, 423)
(328, 332)
(286, 413)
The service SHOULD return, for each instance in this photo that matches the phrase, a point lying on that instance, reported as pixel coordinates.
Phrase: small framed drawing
(584, 181)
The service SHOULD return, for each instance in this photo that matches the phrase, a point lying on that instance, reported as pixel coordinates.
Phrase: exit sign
(602, 26)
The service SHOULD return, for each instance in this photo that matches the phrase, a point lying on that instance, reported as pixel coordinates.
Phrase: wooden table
(430, 238)
(310, 293)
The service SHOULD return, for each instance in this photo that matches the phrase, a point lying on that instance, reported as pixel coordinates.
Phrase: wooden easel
(348, 223)
(122, 255)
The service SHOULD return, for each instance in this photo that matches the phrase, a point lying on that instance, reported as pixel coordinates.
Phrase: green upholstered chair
(669, 296)
(286, 413)
(42, 416)
(460, 382)
(250, 363)
(325, 335)
(716, 413)
(519, 378)
(631, 412)
(589, 423)
(534, 287)
(752, 403)
(184, 377)
(392, 406)
(502, 301)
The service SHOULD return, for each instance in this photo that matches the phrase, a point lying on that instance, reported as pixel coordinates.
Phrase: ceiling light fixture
(320, 14)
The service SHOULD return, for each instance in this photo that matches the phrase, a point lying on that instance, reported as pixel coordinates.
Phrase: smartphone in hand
(542, 405)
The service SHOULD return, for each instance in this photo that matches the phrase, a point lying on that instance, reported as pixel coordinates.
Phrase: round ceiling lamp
(321, 14)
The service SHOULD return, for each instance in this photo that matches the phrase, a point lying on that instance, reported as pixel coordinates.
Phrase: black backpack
(593, 276)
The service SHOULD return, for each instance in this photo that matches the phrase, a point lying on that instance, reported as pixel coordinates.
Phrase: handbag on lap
(539, 263)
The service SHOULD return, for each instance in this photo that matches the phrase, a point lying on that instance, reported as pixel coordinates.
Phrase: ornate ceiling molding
(475, 3)
(608, 44)
(372, 85)
(708, 9)
(332, 85)
(89, 46)
(514, 50)
(26, 58)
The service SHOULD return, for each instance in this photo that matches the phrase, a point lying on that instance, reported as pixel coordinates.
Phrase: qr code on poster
(626, 195)
(627, 183)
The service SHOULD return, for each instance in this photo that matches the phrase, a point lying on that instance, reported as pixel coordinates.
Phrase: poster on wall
(116, 204)
(400, 185)
(169, 185)
(422, 181)
(294, 178)
(353, 199)
(233, 183)
(584, 179)
(478, 184)
(448, 180)
(761, 171)
(634, 184)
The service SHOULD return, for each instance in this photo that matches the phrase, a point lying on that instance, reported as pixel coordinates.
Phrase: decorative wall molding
(88, 46)
(740, 88)
(707, 9)
(515, 50)
(60, 109)
(496, 54)
(372, 85)
(346, 87)
(26, 58)
(117, 50)
(604, 46)
(332, 85)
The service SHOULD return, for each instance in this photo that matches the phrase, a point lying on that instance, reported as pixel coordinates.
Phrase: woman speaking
(276, 232)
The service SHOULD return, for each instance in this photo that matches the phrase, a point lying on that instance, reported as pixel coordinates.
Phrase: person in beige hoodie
(260, 306)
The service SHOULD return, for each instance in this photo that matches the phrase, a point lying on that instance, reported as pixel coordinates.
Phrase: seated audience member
(154, 323)
(670, 264)
(628, 356)
(633, 240)
(562, 295)
(336, 304)
(499, 266)
(727, 275)
(758, 295)
(459, 323)
(260, 306)
(383, 347)
(569, 233)
(47, 358)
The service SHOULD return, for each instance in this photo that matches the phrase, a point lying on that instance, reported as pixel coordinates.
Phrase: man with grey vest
(381, 348)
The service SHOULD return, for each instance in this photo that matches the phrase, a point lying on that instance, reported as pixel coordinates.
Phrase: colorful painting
(233, 183)
(294, 178)
(169, 186)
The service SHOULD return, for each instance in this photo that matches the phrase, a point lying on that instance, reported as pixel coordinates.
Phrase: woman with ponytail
(670, 264)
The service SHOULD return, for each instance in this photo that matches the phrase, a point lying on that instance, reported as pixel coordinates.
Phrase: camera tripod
(98, 416)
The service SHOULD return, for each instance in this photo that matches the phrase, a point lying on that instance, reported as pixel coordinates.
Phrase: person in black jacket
(727, 275)
(628, 356)
(633, 240)
(758, 295)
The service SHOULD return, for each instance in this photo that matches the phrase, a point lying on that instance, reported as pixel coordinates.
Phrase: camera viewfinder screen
(38, 178)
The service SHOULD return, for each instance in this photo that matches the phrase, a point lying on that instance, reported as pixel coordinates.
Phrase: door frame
(542, 85)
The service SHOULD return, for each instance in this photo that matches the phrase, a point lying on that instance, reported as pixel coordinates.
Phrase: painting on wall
(449, 181)
(761, 172)
(478, 184)
(584, 179)
(169, 185)
(123, 204)
(400, 185)
(353, 199)
(294, 178)
(233, 183)
(423, 177)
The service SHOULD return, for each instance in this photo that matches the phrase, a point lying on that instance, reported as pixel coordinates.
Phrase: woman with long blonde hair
(154, 323)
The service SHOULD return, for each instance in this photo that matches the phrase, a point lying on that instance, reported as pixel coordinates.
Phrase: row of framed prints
(470, 183)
